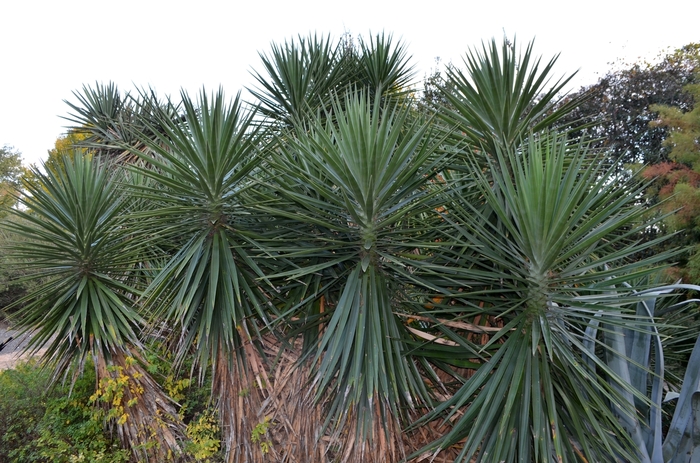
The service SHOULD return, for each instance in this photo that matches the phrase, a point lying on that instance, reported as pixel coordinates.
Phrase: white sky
(49, 48)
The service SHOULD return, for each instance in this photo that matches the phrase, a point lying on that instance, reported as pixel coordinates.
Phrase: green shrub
(39, 423)
(43, 423)
(204, 436)
(22, 407)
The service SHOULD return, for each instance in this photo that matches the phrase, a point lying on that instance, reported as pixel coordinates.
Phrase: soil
(13, 351)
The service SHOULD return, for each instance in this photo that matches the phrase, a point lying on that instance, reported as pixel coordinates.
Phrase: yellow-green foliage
(203, 432)
(176, 388)
(258, 436)
(684, 129)
(10, 172)
(63, 146)
(204, 437)
(111, 391)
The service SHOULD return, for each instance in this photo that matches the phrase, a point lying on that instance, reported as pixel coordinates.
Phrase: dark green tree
(10, 174)
(11, 171)
(618, 110)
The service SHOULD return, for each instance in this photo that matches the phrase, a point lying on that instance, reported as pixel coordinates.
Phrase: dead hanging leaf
(454, 324)
(431, 338)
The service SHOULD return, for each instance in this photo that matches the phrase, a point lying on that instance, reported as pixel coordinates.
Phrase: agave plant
(83, 251)
(637, 355)
(681, 442)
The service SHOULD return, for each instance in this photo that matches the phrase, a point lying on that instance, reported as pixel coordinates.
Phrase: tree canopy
(10, 176)
(619, 108)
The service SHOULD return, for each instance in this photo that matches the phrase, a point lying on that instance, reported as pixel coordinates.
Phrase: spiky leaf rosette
(302, 77)
(199, 169)
(503, 95)
(84, 250)
(547, 248)
(210, 292)
(355, 197)
(83, 253)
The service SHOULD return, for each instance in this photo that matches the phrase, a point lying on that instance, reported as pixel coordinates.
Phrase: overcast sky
(50, 48)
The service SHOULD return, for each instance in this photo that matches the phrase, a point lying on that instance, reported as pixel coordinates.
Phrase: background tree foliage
(11, 172)
(639, 115)
(10, 175)
(618, 108)
(676, 181)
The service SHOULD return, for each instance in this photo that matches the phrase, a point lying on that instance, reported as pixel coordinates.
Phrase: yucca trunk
(267, 416)
(274, 416)
(144, 417)
(296, 435)
(239, 386)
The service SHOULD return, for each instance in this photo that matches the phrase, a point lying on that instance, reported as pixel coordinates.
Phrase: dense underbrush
(65, 423)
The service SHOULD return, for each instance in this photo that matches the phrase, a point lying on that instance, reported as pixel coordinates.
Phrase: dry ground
(12, 352)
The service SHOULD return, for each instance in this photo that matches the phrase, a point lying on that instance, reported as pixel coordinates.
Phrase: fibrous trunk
(145, 418)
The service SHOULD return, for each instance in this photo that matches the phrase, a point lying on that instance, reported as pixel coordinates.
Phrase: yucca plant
(210, 297)
(300, 76)
(382, 67)
(336, 275)
(84, 254)
(109, 120)
(303, 76)
(355, 201)
(547, 249)
(502, 95)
